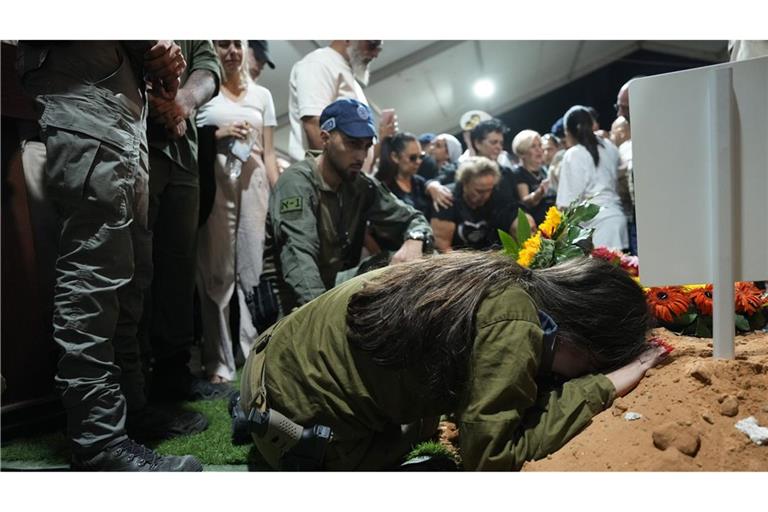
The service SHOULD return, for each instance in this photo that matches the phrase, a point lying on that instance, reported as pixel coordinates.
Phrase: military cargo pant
(96, 178)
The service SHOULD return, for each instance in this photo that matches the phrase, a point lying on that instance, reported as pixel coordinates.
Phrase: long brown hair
(422, 314)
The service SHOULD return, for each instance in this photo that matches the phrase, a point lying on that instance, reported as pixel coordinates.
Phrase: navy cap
(261, 50)
(350, 116)
(426, 138)
(559, 128)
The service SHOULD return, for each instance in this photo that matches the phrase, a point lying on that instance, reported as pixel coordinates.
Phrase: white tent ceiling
(429, 83)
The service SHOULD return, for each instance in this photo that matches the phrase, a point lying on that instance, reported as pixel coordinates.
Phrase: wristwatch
(422, 236)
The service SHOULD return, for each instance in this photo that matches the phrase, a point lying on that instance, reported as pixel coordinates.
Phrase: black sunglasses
(419, 156)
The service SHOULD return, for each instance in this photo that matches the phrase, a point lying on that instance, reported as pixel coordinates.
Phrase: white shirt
(256, 107)
(581, 180)
(316, 81)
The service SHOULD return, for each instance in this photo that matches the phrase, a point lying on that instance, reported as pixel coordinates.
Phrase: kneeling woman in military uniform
(523, 358)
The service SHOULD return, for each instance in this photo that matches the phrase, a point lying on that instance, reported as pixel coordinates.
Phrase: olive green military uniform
(174, 201)
(305, 368)
(92, 102)
(319, 232)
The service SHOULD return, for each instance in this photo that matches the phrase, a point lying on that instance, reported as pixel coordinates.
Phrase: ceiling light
(484, 88)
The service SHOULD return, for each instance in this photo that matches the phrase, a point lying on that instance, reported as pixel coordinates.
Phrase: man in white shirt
(319, 79)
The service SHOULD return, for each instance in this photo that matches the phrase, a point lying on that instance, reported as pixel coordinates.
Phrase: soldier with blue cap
(320, 207)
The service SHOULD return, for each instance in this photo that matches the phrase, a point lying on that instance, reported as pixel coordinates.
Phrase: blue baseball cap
(350, 116)
(559, 128)
(426, 138)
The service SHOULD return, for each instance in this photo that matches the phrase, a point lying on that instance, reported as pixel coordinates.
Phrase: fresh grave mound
(687, 411)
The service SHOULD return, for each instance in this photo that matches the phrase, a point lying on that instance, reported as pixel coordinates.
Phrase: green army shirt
(319, 232)
(505, 416)
(199, 54)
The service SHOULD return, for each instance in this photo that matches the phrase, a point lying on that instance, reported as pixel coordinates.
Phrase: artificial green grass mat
(48, 448)
(213, 446)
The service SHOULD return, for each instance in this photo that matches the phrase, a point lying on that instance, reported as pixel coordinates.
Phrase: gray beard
(359, 68)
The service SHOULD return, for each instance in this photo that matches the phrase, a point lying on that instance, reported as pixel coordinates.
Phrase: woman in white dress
(589, 171)
(231, 242)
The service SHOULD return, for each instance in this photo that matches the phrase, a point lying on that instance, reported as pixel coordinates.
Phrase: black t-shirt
(505, 200)
(417, 197)
(475, 229)
(428, 168)
(447, 173)
(521, 175)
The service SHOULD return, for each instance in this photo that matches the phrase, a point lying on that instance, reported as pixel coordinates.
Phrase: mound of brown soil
(688, 408)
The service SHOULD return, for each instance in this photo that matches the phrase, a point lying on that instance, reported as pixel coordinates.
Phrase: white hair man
(322, 77)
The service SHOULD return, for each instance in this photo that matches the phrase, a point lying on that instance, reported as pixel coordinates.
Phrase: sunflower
(529, 251)
(701, 295)
(551, 222)
(667, 302)
(748, 298)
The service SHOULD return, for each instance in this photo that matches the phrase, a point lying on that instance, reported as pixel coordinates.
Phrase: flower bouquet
(560, 237)
(688, 309)
(685, 309)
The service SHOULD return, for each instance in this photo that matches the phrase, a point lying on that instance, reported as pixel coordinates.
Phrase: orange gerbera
(748, 298)
(667, 302)
(702, 297)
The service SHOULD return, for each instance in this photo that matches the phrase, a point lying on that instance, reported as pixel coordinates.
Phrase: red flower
(606, 254)
(748, 298)
(702, 297)
(667, 302)
(630, 264)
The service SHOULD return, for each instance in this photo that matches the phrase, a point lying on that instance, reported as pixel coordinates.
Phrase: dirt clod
(701, 375)
(729, 406)
(678, 436)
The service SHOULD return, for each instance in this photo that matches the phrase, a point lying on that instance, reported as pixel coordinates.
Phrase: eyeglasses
(618, 106)
(417, 157)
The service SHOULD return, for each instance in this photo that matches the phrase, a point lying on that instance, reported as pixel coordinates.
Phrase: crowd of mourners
(156, 168)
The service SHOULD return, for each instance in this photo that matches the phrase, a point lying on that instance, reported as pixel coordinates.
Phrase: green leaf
(584, 240)
(510, 245)
(741, 323)
(703, 327)
(568, 252)
(758, 320)
(686, 319)
(546, 256)
(583, 212)
(523, 228)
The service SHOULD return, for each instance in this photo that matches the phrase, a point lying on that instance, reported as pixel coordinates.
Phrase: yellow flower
(529, 251)
(551, 222)
(690, 287)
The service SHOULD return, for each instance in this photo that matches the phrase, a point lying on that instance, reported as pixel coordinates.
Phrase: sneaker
(128, 455)
(154, 424)
(178, 386)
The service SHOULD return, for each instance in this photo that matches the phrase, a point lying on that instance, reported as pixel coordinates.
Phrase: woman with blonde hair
(531, 180)
(231, 242)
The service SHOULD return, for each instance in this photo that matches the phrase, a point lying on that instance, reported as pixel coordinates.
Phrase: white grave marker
(700, 154)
